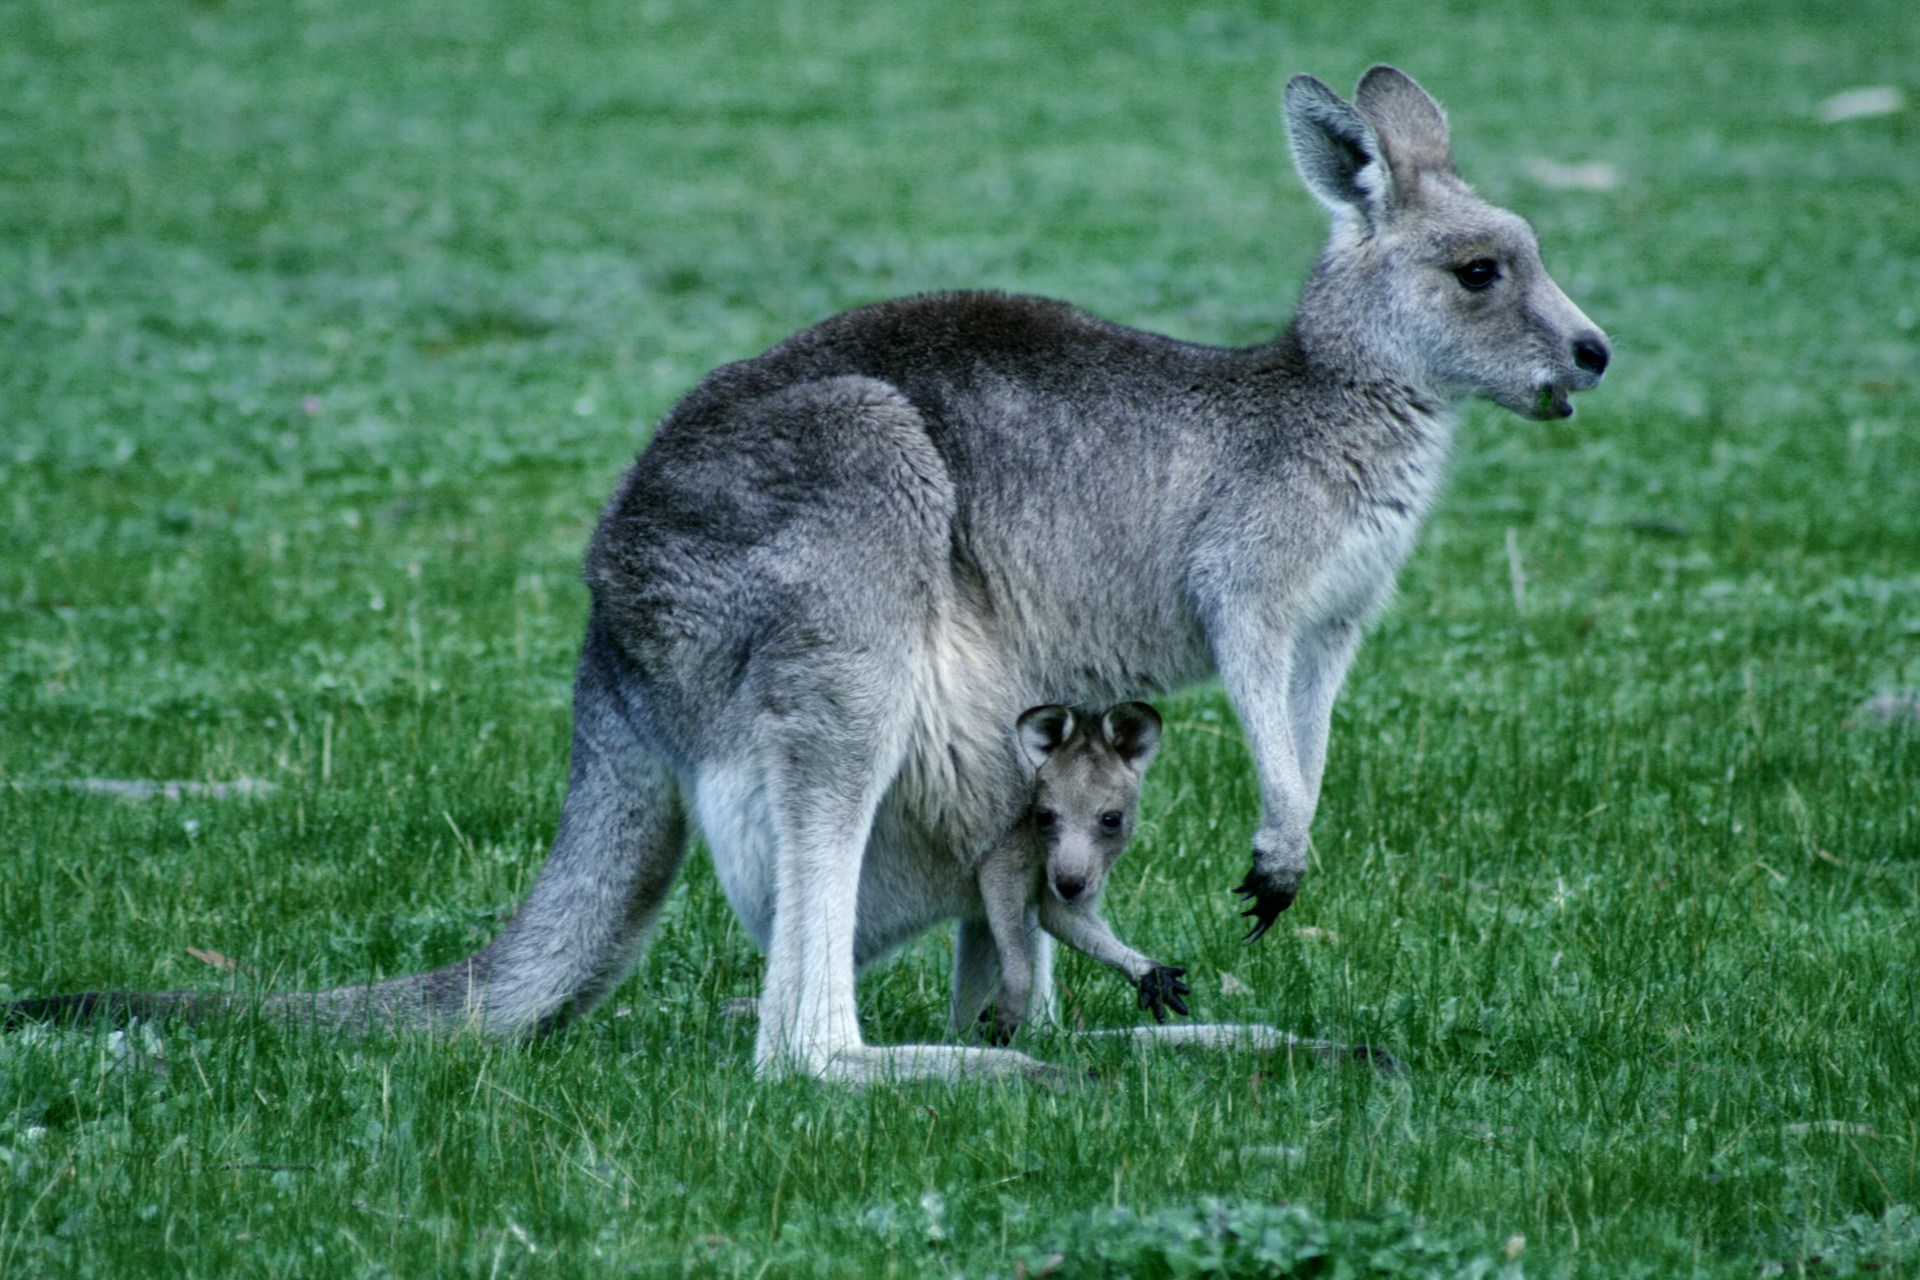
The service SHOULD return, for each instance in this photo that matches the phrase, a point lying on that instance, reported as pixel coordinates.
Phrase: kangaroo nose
(1069, 887)
(1591, 354)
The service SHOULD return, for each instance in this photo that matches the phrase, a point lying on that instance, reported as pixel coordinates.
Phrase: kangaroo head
(1086, 781)
(1423, 282)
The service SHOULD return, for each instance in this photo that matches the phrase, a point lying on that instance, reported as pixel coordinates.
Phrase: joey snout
(1068, 888)
(1073, 879)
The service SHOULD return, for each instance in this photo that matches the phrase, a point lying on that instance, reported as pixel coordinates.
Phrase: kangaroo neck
(1335, 390)
(1367, 438)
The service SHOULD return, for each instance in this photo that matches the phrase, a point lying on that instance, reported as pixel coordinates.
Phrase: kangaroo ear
(1410, 125)
(1335, 150)
(1134, 730)
(1042, 730)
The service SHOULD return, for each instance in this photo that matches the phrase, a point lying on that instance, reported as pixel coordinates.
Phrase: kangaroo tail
(622, 836)
(403, 1002)
(112, 1007)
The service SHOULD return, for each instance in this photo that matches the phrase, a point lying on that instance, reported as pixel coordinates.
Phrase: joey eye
(1477, 275)
(1110, 820)
(1046, 819)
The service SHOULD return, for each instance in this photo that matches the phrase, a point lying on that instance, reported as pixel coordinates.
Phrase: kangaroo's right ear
(1410, 125)
(1042, 730)
(1335, 150)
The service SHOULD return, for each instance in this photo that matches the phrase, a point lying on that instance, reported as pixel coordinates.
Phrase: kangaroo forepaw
(1161, 989)
(1270, 898)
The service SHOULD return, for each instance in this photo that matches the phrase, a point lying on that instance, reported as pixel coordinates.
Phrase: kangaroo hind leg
(850, 575)
(829, 758)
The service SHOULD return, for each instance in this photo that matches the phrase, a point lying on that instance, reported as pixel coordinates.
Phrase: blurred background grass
(325, 328)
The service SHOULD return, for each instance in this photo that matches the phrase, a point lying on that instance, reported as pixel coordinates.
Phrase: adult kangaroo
(841, 568)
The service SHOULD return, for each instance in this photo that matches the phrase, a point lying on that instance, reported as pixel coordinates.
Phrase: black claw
(1266, 908)
(1162, 989)
(990, 1028)
(1379, 1059)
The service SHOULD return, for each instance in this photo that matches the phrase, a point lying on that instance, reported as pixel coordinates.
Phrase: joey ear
(1042, 730)
(1335, 149)
(1410, 125)
(1134, 730)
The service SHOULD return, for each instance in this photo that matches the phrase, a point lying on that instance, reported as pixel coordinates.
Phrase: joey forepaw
(1162, 988)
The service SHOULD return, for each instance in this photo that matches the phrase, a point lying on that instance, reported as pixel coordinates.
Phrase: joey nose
(1069, 887)
(1591, 354)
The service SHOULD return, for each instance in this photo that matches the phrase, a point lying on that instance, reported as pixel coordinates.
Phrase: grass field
(326, 326)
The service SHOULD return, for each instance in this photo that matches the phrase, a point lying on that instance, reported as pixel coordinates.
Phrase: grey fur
(843, 566)
(1049, 870)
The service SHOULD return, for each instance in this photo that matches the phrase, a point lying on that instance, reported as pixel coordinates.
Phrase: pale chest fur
(1383, 502)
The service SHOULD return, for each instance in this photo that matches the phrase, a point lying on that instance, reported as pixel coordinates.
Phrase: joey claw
(1161, 989)
(992, 1030)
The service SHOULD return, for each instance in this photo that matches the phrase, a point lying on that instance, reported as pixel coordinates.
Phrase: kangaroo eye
(1045, 819)
(1477, 275)
(1110, 820)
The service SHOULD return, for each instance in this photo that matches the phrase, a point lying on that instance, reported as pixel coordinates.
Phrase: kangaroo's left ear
(1335, 150)
(1133, 729)
(1366, 157)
